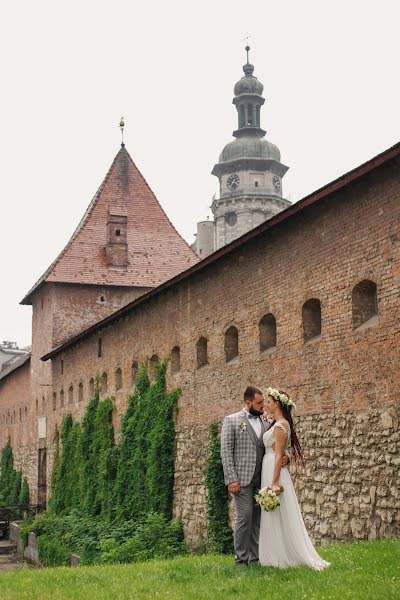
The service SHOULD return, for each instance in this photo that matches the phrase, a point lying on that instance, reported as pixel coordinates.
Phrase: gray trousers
(247, 526)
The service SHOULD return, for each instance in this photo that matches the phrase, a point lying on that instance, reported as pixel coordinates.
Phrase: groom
(242, 451)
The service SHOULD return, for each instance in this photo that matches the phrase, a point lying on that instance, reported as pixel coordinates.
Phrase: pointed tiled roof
(156, 251)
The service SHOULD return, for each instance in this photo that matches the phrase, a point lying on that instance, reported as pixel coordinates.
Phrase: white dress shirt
(255, 423)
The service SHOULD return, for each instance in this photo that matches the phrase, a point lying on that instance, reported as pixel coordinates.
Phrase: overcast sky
(69, 70)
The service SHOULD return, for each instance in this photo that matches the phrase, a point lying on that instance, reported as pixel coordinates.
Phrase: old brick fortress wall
(345, 381)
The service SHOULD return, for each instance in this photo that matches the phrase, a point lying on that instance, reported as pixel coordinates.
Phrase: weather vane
(121, 126)
(247, 39)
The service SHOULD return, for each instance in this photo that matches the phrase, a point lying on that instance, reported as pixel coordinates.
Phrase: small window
(62, 398)
(26, 413)
(43, 404)
(231, 343)
(70, 394)
(118, 379)
(364, 302)
(62, 367)
(256, 184)
(91, 389)
(102, 299)
(117, 232)
(175, 359)
(311, 313)
(20, 415)
(54, 401)
(37, 405)
(104, 384)
(134, 370)
(201, 351)
(154, 360)
(99, 348)
(267, 332)
(80, 392)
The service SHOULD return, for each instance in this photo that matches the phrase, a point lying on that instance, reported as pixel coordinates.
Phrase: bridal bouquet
(267, 499)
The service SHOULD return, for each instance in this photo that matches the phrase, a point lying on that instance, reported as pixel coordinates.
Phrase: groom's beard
(255, 413)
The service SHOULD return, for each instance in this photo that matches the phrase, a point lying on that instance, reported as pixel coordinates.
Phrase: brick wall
(345, 381)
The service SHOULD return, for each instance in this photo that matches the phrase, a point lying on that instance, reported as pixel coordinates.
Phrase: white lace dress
(284, 541)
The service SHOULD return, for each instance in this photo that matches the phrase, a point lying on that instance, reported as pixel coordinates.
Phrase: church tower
(249, 170)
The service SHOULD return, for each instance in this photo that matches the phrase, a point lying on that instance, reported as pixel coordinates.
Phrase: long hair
(297, 450)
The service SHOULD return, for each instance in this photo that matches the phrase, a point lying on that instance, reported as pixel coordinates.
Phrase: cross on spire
(121, 126)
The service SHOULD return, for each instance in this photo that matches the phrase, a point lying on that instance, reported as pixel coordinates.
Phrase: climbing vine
(14, 489)
(219, 531)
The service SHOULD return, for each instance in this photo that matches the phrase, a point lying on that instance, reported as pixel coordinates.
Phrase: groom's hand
(234, 488)
(285, 460)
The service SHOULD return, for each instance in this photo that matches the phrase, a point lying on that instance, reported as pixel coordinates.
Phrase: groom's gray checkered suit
(241, 454)
(238, 448)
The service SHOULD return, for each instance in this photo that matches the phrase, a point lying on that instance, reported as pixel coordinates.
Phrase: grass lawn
(367, 570)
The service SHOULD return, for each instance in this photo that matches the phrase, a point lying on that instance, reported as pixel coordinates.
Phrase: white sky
(69, 70)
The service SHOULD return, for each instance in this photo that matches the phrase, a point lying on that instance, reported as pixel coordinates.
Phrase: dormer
(117, 241)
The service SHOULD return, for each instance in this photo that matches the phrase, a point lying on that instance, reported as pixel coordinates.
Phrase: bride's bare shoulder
(283, 424)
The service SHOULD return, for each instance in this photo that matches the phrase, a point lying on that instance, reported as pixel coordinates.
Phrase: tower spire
(121, 126)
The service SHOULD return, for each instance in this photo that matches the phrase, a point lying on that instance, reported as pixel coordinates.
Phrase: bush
(154, 538)
(219, 533)
(52, 552)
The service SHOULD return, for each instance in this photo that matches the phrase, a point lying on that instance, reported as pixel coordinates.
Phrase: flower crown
(277, 395)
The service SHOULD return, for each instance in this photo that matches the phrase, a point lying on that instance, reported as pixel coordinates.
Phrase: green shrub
(154, 538)
(52, 552)
(219, 533)
(14, 492)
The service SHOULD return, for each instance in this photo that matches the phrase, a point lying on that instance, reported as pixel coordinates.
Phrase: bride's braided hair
(297, 450)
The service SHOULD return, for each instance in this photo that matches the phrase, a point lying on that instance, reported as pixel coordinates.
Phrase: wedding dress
(284, 541)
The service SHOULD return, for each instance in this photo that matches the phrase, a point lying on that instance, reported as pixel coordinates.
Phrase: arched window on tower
(250, 115)
(231, 343)
(54, 401)
(175, 359)
(80, 392)
(118, 379)
(62, 398)
(267, 331)
(201, 352)
(364, 302)
(70, 394)
(311, 313)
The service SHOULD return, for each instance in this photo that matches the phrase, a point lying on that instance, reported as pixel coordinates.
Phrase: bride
(284, 541)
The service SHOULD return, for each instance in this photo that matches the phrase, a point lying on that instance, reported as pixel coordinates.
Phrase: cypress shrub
(219, 532)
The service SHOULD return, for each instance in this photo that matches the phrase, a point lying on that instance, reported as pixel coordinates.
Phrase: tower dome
(250, 147)
(248, 84)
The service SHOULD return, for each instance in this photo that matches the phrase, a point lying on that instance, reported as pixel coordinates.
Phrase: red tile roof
(156, 251)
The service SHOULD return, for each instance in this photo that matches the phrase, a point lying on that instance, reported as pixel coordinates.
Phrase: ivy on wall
(124, 481)
(218, 529)
(14, 489)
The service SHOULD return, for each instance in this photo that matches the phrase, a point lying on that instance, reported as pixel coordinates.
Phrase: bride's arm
(280, 440)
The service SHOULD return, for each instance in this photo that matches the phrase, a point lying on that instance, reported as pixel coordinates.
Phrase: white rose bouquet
(267, 499)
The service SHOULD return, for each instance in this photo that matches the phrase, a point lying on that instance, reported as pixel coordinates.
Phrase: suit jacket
(238, 448)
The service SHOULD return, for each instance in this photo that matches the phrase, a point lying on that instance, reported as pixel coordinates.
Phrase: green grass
(368, 570)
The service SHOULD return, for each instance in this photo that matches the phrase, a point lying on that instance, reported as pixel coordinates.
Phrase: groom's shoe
(241, 564)
(254, 563)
